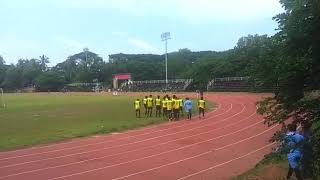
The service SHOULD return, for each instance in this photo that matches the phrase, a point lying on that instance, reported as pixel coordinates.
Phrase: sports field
(38, 118)
(227, 142)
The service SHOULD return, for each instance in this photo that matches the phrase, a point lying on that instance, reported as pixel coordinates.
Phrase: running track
(227, 142)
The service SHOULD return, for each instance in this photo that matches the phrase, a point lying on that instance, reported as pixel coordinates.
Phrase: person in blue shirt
(294, 144)
(188, 107)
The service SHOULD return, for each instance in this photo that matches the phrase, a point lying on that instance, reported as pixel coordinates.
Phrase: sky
(60, 28)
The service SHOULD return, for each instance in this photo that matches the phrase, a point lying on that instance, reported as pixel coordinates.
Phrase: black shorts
(201, 110)
(176, 110)
(145, 106)
(150, 108)
(158, 107)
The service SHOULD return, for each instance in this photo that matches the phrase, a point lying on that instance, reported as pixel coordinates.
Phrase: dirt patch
(273, 172)
(266, 172)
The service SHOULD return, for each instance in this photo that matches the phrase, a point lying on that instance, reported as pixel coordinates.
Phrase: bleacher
(239, 84)
(233, 84)
(156, 85)
(83, 87)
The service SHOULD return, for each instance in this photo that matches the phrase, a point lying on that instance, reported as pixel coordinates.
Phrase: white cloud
(119, 34)
(71, 43)
(142, 46)
(227, 10)
(14, 48)
(187, 10)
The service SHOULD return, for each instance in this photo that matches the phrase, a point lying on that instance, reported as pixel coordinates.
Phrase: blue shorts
(294, 160)
(188, 110)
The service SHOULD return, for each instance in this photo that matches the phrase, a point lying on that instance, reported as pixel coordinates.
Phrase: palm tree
(44, 60)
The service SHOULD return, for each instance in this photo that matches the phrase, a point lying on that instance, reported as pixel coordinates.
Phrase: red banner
(126, 76)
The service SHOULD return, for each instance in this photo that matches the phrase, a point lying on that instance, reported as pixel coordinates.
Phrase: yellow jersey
(158, 102)
(145, 101)
(150, 102)
(176, 104)
(169, 104)
(164, 103)
(180, 103)
(137, 104)
(201, 104)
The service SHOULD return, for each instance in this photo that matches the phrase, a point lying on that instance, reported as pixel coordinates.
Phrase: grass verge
(32, 119)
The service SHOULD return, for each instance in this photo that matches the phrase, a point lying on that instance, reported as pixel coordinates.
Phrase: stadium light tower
(85, 50)
(165, 37)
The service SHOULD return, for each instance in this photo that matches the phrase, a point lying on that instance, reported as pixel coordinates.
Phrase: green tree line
(290, 60)
(87, 66)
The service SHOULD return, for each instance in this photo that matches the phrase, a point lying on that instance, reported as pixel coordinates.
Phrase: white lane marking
(227, 162)
(192, 157)
(104, 142)
(85, 152)
(166, 152)
(91, 138)
(79, 162)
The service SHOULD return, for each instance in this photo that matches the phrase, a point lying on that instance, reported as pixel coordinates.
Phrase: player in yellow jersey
(164, 105)
(150, 106)
(137, 106)
(158, 106)
(176, 107)
(181, 106)
(169, 108)
(202, 106)
(145, 100)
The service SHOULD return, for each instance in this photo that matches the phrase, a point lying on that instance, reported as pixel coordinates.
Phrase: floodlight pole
(165, 37)
(86, 52)
(2, 98)
(166, 58)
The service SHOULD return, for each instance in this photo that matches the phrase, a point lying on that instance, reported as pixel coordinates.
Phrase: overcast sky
(59, 28)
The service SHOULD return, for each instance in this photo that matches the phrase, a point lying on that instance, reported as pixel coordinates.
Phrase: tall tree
(298, 47)
(2, 70)
(44, 60)
(12, 79)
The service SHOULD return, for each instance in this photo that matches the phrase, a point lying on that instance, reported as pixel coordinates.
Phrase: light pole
(86, 51)
(165, 37)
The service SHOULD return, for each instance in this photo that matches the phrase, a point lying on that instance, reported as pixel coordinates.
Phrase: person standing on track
(137, 106)
(150, 105)
(188, 107)
(164, 106)
(169, 108)
(158, 106)
(294, 143)
(145, 100)
(201, 106)
(181, 106)
(176, 108)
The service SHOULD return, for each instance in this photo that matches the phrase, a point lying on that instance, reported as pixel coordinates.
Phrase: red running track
(227, 142)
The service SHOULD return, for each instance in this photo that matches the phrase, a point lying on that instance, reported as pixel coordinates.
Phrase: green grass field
(31, 119)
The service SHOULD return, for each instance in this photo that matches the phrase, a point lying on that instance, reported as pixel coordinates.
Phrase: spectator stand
(236, 84)
(174, 85)
(239, 84)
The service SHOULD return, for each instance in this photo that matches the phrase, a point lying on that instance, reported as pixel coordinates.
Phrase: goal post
(3, 104)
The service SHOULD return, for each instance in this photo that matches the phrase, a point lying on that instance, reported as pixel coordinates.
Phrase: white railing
(226, 79)
(83, 84)
(160, 81)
